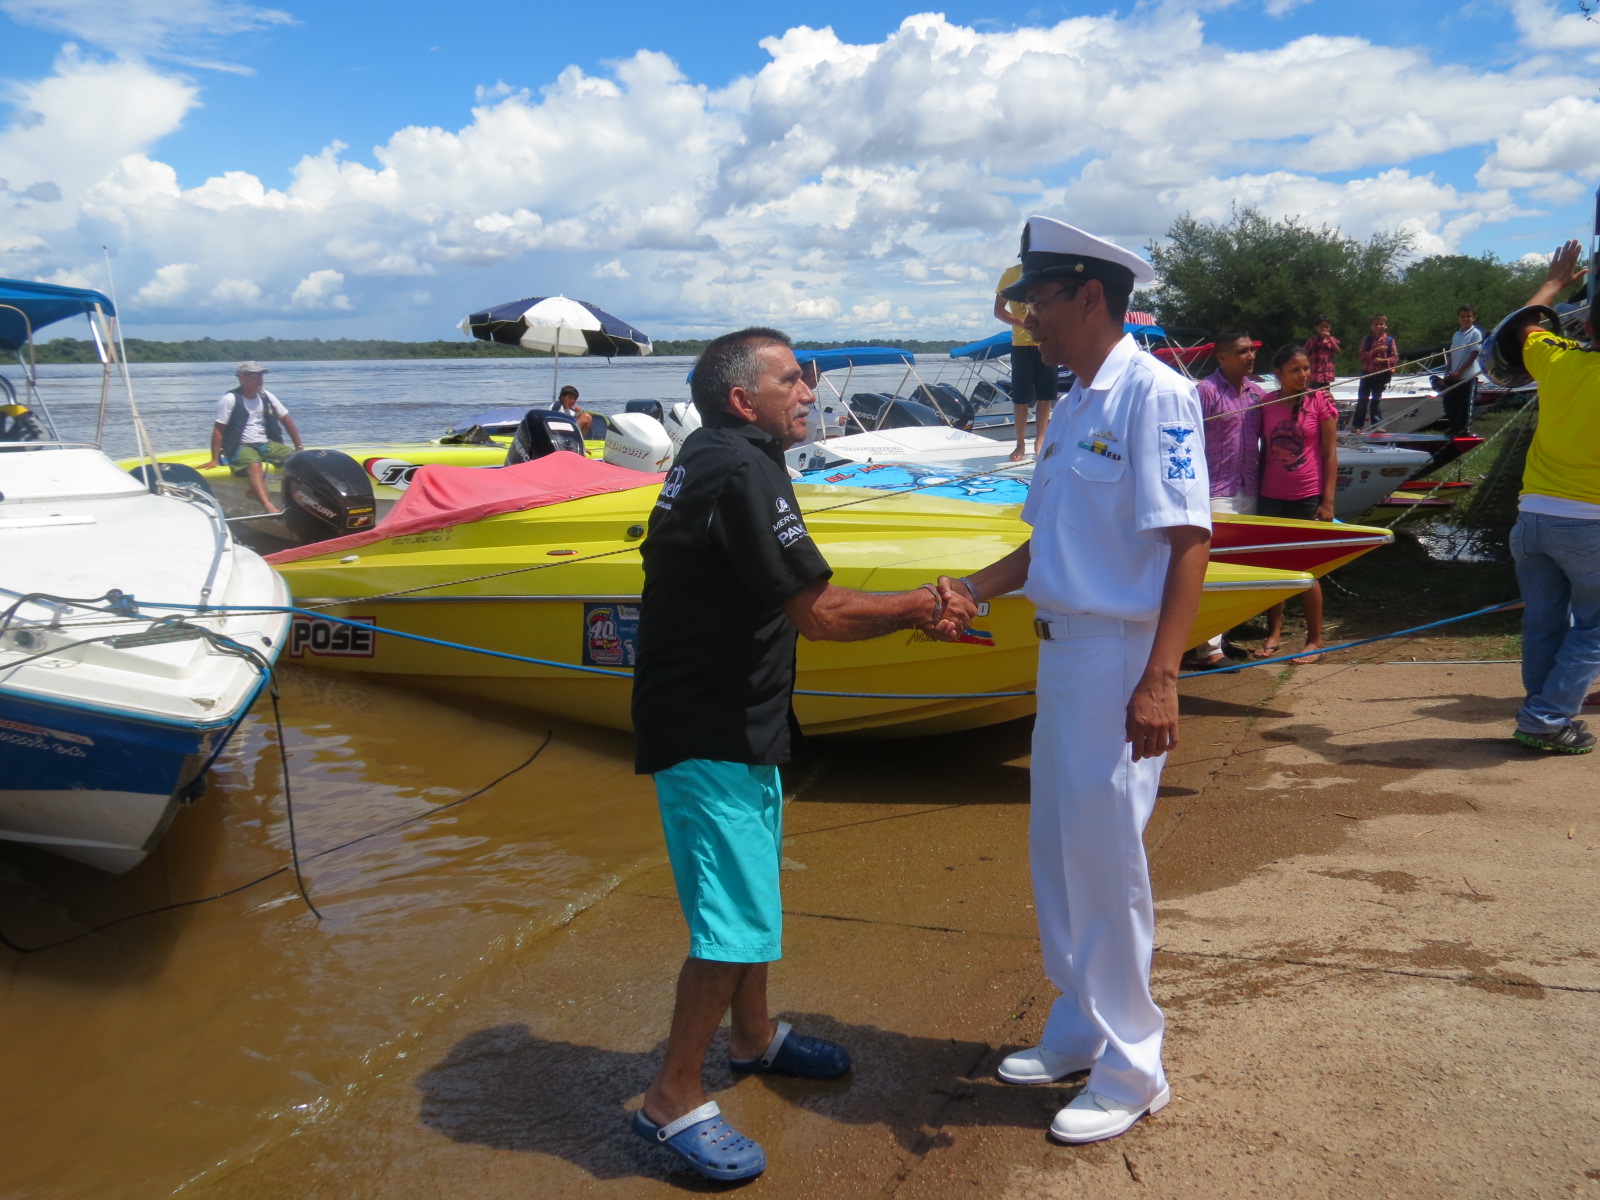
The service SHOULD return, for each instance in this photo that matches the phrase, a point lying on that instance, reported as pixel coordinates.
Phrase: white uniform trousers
(1239, 502)
(1091, 881)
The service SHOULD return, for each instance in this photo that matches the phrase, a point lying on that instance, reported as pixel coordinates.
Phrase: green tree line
(1275, 277)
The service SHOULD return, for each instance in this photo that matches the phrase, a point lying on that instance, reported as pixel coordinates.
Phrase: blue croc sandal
(792, 1053)
(704, 1139)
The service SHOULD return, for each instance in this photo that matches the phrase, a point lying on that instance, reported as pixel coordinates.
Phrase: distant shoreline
(270, 350)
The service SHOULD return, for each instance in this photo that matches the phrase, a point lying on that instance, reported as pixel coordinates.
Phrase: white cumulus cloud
(874, 185)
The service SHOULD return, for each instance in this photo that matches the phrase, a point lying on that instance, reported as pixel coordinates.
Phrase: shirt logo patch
(1178, 453)
(670, 487)
(783, 505)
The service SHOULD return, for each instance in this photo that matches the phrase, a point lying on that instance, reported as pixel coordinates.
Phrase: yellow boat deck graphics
(562, 584)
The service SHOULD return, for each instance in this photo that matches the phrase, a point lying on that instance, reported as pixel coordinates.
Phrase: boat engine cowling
(326, 495)
(177, 474)
(542, 433)
(680, 419)
(650, 408)
(638, 443)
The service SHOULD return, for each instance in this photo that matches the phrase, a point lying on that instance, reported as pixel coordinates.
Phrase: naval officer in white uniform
(1121, 523)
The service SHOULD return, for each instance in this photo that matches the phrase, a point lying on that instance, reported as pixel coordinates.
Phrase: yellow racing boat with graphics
(540, 561)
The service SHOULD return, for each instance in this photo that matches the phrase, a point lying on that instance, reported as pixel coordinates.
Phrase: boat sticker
(391, 472)
(610, 635)
(38, 737)
(1178, 450)
(323, 638)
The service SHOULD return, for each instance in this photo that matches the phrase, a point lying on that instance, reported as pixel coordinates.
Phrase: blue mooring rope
(545, 662)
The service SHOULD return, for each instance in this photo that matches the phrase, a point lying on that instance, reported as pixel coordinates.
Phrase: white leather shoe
(1091, 1117)
(1040, 1065)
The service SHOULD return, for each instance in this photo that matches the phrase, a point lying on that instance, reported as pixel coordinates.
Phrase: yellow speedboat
(547, 567)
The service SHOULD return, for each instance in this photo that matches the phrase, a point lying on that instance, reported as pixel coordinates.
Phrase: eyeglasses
(1033, 306)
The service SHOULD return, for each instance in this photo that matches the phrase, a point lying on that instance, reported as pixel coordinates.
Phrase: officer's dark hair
(1229, 336)
(1118, 291)
(728, 362)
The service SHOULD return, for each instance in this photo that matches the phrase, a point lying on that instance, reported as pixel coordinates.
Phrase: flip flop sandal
(1267, 651)
(792, 1053)
(1212, 663)
(704, 1139)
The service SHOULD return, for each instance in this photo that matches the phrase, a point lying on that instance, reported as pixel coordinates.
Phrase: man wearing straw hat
(1121, 532)
(249, 431)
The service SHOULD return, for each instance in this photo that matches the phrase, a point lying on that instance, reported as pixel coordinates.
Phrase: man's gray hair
(728, 362)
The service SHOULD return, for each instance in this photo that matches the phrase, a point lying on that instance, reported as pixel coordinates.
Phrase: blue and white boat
(121, 677)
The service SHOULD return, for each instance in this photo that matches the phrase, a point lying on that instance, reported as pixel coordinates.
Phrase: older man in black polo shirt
(731, 575)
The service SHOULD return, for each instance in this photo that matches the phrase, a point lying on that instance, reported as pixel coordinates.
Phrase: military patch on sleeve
(1179, 445)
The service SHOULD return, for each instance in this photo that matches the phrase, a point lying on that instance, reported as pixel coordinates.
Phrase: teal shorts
(724, 827)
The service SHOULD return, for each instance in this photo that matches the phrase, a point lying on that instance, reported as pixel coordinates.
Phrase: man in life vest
(251, 422)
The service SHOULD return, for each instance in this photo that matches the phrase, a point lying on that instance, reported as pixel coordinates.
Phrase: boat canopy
(41, 304)
(856, 356)
(995, 346)
(852, 356)
(440, 496)
(999, 345)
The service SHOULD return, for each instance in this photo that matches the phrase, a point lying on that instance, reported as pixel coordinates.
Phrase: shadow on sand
(509, 1089)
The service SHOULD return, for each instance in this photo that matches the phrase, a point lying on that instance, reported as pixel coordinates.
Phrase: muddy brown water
(165, 1052)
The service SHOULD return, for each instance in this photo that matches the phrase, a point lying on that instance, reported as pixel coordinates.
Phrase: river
(341, 402)
(159, 1055)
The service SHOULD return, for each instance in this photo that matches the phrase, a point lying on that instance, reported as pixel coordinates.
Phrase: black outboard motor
(542, 433)
(991, 391)
(944, 398)
(326, 495)
(879, 410)
(174, 473)
(650, 408)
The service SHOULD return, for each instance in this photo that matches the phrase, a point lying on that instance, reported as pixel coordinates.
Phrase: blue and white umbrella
(557, 325)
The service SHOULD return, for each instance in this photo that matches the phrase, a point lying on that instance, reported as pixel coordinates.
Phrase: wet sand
(1377, 954)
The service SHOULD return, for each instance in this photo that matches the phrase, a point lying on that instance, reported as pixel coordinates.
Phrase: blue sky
(376, 170)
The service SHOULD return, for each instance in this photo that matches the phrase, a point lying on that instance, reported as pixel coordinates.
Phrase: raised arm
(1563, 273)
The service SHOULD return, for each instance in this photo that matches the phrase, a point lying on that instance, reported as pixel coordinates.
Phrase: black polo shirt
(726, 548)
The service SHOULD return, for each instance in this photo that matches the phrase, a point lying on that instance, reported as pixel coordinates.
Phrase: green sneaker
(1574, 739)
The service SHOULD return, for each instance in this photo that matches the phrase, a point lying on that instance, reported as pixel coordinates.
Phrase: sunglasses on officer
(1068, 290)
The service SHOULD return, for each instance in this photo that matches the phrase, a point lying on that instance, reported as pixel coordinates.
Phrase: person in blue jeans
(1556, 540)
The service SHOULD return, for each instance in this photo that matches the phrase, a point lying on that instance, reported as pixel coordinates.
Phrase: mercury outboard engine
(326, 495)
(650, 408)
(639, 443)
(879, 410)
(680, 419)
(174, 473)
(544, 433)
(947, 400)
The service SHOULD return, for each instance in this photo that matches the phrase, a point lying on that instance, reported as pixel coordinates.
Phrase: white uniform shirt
(255, 429)
(1124, 460)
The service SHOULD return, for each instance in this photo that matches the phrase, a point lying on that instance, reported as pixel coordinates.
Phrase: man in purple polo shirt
(1231, 402)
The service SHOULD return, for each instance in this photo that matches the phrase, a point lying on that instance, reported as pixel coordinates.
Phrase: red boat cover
(442, 496)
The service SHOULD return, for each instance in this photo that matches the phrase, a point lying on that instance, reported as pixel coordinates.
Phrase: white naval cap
(1052, 249)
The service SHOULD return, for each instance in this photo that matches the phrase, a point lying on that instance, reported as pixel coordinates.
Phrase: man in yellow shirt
(1556, 540)
(1033, 381)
